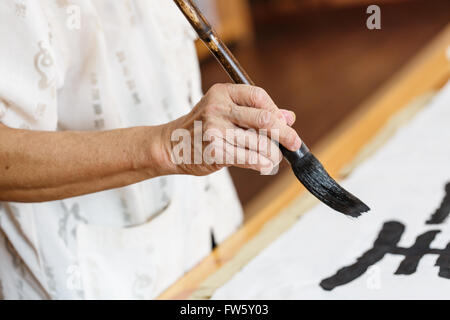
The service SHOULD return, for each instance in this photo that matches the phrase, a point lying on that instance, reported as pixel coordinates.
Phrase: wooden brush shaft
(225, 58)
(213, 42)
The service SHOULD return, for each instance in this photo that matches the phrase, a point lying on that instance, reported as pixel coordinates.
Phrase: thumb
(289, 116)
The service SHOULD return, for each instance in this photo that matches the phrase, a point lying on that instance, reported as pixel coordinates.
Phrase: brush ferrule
(294, 156)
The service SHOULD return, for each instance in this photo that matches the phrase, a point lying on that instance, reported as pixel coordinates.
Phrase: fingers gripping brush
(305, 165)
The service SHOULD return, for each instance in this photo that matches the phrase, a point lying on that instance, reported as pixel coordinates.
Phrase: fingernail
(294, 117)
(266, 171)
(264, 161)
(266, 166)
(289, 116)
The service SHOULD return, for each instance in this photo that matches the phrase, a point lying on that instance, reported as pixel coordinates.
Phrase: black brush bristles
(314, 177)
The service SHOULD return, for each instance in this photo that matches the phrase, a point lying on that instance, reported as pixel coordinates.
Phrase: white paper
(404, 182)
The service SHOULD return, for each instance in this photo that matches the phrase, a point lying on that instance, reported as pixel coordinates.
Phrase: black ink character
(386, 243)
(443, 211)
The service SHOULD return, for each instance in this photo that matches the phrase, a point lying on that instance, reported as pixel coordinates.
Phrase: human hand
(233, 125)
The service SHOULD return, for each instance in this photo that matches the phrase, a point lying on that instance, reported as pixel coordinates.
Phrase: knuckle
(213, 109)
(233, 110)
(259, 95)
(229, 86)
(264, 119)
(217, 88)
(273, 121)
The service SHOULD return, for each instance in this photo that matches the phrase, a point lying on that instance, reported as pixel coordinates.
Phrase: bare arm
(37, 166)
(44, 166)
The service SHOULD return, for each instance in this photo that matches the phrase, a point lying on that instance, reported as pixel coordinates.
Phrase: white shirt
(100, 65)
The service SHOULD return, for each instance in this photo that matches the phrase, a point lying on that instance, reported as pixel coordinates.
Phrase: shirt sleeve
(28, 81)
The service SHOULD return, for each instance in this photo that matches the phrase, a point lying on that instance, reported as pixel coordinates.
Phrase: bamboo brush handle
(213, 42)
(208, 35)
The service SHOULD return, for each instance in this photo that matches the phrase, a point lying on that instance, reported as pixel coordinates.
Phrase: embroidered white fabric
(98, 65)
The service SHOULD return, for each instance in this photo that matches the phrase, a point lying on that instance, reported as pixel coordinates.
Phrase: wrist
(153, 152)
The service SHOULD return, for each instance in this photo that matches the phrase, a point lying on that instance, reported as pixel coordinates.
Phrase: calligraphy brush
(305, 165)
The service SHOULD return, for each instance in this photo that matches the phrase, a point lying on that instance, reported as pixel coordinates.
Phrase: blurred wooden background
(317, 57)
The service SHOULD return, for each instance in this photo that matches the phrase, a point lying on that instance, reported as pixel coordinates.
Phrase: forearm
(45, 166)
